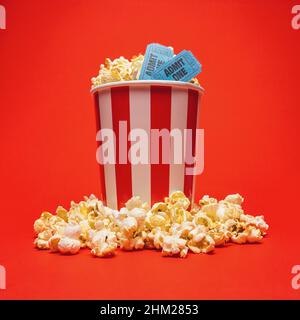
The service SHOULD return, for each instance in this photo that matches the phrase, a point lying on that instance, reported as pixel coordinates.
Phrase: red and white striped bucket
(145, 105)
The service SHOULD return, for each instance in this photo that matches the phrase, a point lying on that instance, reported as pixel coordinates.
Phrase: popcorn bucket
(135, 153)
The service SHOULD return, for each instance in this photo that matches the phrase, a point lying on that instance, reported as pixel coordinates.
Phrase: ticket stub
(182, 67)
(156, 55)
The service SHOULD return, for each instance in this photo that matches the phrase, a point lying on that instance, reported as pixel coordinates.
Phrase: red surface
(250, 113)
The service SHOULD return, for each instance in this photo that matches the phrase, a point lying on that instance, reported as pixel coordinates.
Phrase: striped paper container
(145, 105)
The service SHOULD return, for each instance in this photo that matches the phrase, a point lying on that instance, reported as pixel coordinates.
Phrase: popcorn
(203, 219)
(136, 202)
(68, 242)
(239, 238)
(210, 210)
(240, 232)
(222, 210)
(182, 229)
(72, 231)
(129, 226)
(41, 241)
(41, 244)
(136, 66)
(139, 215)
(207, 200)
(62, 213)
(53, 242)
(132, 243)
(84, 235)
(158, 216)
(172, 226)
(119, 69)
(45, 227)
(227, 210)
(254, 235)
(235, 198)
(257, 221)
(178, 200)
(173, 246)
(249, 235)
(68, 245)
(200, 240)
(219, 238)
(42, 223)
(153, 239)
(103, 243)
(220, 234)
(131, 222)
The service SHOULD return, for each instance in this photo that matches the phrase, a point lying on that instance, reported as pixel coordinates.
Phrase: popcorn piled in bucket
(169, 226)
(159, 63)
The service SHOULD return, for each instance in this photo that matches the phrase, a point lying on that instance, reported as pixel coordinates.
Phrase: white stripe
(179, 108)
(140, 119)
(105, 110)
(198, 145)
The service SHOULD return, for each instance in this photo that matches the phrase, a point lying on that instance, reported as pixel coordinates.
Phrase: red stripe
(191, 124)
(121, 112)
(160, 119)
(101, 167)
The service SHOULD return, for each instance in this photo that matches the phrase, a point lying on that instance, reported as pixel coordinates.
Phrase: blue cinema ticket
(156, 55)
(182, 67)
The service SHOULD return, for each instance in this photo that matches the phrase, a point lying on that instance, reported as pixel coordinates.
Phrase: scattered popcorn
(172, 226)
(207, 200)
(234, 198)
(239, 238)
(68, 245)
(154, 239)
(253, 235)
(121, 69)
(201, 241)
(68, 242)
(257, 222)
(42, 223)
(42, 241)
(103, 243)
(53, 242)
(178, 200)
(174, 246)
(131, 233)
(249, 235)
(203, 219)
(62, 213)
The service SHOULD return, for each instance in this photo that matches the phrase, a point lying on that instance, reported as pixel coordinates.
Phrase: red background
(250, 113)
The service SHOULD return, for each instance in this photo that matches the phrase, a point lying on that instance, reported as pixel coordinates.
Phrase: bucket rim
(143, 83)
